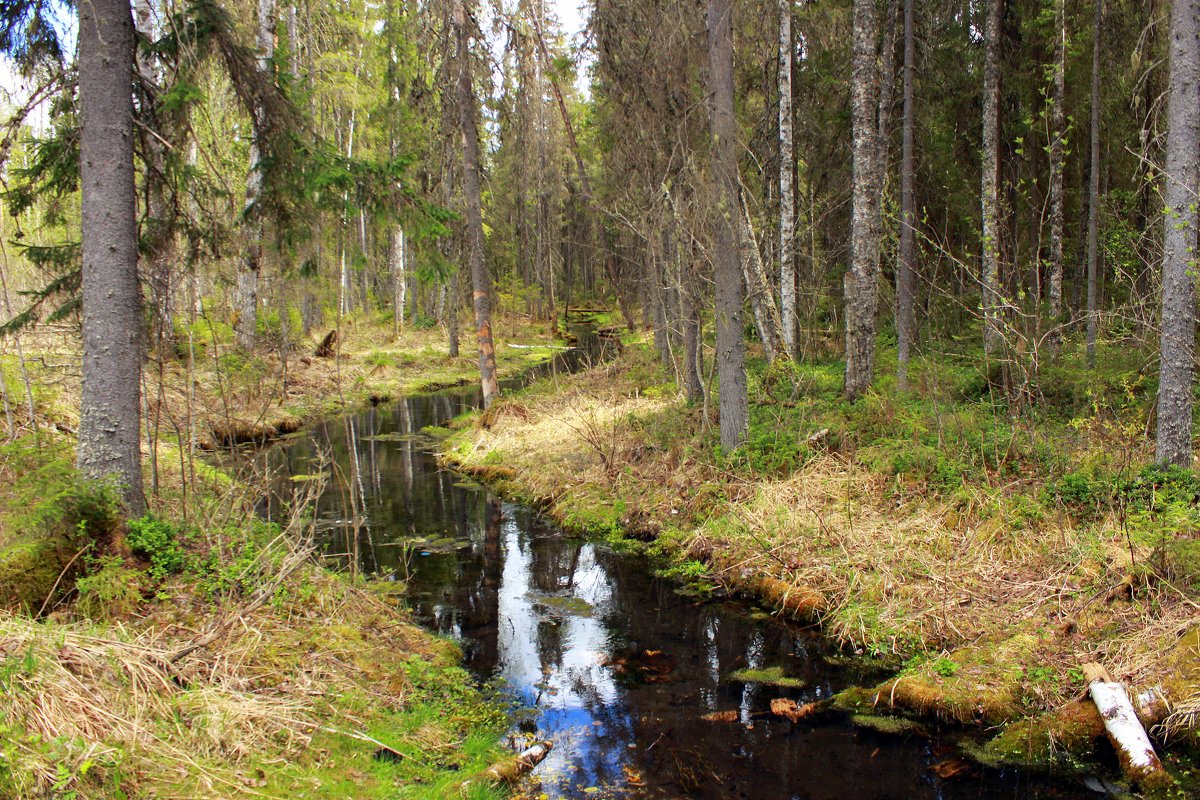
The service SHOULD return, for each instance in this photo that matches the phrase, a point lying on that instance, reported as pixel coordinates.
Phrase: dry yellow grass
(1002, 614)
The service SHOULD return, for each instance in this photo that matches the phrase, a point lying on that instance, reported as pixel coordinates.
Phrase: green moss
(1062, 739)
(772, 676)
(888, 724)
(48, 519)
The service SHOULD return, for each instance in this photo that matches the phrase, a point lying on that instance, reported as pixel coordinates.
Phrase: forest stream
(614, 665)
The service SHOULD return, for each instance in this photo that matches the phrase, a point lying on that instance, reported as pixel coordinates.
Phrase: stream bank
(988, 617)
(194, 653)
(646, 690)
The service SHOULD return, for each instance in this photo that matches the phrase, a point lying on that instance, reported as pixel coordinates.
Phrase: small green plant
(156, 541)
(945, 667)
(110, 589)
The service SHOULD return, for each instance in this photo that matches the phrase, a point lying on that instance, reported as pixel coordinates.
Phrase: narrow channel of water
(615, 666)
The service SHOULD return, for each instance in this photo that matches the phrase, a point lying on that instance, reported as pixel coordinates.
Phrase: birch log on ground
(510, 770)
(1125, 731)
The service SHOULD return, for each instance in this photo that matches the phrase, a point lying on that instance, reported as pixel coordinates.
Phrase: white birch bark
(787, 165)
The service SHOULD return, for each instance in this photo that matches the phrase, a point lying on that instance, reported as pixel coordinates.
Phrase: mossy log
(511, 770)
(234, 432)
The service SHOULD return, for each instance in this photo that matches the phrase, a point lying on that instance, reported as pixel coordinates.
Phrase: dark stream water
(613, 665)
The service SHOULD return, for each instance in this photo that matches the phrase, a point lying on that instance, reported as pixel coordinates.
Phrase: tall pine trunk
(860, 288)
(1093, 225)
(731, 358)
(113, 341)
(480, 280)
(906, 266)
(993, 337)
(248, 271)
(1182, 179)
(787, 192)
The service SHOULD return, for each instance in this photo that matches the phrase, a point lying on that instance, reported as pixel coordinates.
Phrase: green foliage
(48, 518)
(109, 590)
(945, 667)
(241, 564)
(380, 358)
(157, 541)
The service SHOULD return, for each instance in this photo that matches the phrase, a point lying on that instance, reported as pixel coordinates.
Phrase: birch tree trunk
(906, 266)
(480, 280)
(399, 279)
(860, 283)
(1093, 228)
(1058, 135)
(731, 358)
(990, 191)
(113, 342)
(787, 192)
(762, 301)
(1182, 179)
(248, 272)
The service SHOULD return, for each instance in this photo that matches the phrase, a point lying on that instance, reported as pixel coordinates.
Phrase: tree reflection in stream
(613, 665)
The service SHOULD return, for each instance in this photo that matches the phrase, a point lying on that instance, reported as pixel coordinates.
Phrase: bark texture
(731, 357)
(993, 337)
(1182, 181)
(861, 292)
(758, 285)
(481, 282)
(906, 267)
(399, 279)
(113, 341)
(787, 193)
(1093, 225)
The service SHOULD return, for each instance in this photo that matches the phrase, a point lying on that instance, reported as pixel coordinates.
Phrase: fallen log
(538, 346)
(1138, 760)
(511, 770)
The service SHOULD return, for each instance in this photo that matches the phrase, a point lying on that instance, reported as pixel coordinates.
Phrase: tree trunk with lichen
(990, 195)
(787, 200)
(861, 292)
(1182, 181)
(113, 341)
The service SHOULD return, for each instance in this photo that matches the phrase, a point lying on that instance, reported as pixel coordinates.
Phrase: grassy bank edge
(391, 715)
(593, 495)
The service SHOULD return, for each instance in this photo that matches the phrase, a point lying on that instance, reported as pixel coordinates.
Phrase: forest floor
(200, 652)
(987, 555)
